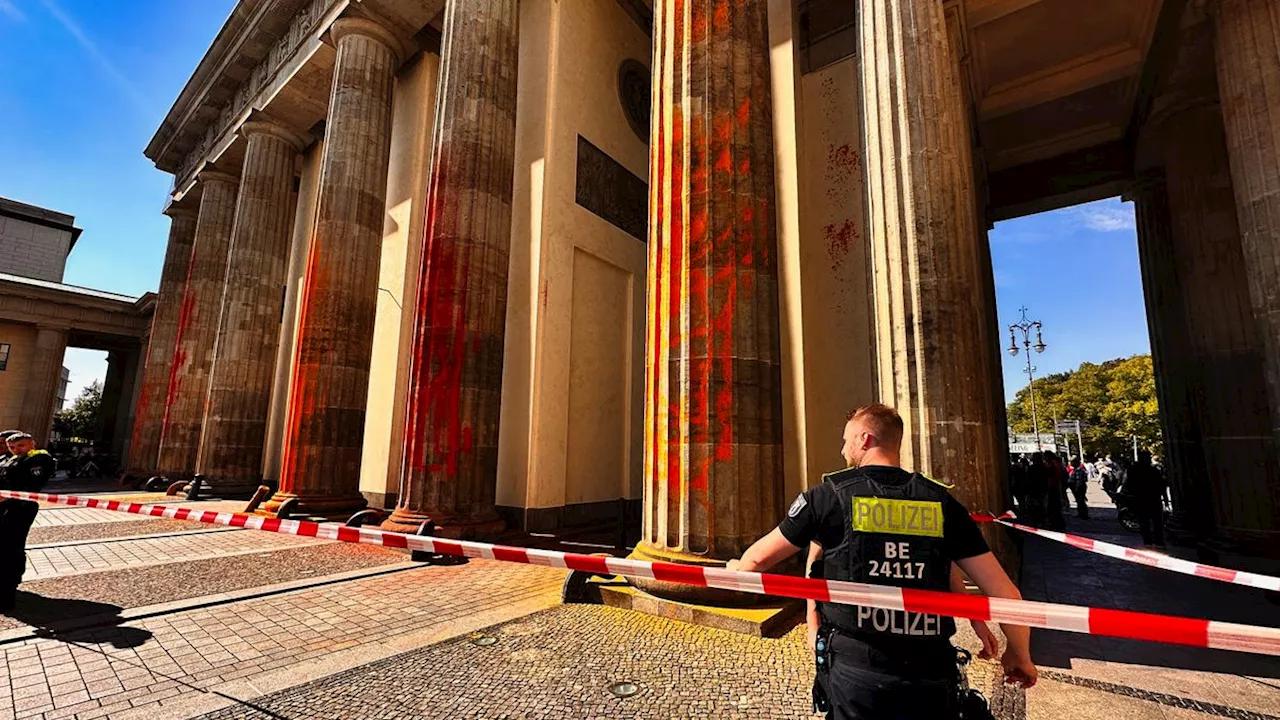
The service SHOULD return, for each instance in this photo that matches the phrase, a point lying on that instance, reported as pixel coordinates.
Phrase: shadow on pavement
(1058, 573)
(79, 621)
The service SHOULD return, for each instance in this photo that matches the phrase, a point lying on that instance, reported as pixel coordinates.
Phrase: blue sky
(87, 82)
(1076, 271)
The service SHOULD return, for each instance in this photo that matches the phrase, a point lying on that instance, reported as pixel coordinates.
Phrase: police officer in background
(877, 523)
(25, 469)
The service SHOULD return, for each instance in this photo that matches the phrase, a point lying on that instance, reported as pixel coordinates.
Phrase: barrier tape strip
(1070, 618)
(1142, 557)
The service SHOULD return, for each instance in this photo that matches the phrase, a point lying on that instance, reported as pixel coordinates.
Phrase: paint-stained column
(713, 416)
(1177, 376)
(455, 391)
(1248, 64)
(197, 327)
(249, 332)
(324, 424)
(148, 420)
(40, 388)
(935, 348)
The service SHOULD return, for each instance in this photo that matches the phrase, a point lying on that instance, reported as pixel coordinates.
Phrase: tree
(80, 421)
(1115, 400)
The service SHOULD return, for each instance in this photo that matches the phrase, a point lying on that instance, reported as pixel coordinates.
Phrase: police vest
(892, 536)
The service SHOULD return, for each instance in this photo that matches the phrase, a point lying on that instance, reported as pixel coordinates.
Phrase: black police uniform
(27, 473)
(885, 526)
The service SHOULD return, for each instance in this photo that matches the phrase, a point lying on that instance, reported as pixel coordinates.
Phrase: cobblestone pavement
(561, 664)
(162, 663)
(360, 641)
(75, 559)
(55, 515)
(1090, 676)
(113, 530)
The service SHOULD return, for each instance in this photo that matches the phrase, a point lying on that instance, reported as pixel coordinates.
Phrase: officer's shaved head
(881, 421)
(872, 426)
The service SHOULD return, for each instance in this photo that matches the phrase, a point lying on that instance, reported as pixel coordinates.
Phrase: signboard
(1026, 444)
(1066, 427)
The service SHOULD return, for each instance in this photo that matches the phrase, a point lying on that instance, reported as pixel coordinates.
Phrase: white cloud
(91, 48)
(1106, 217)
(8, 9)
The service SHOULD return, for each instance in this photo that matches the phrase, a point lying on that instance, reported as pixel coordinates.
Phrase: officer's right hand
(1018, 668)
(811, 637)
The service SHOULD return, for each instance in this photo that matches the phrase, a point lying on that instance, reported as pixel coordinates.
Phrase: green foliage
(80, 421)
(1115, 400)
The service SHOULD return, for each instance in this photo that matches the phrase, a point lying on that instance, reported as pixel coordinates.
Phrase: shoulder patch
(797, 506)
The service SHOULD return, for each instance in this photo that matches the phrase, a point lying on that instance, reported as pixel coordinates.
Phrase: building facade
(40, 317)
(523, 263)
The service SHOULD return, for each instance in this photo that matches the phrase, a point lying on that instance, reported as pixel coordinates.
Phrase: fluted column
(1177, 376)
(1224, 340)
(325, 417)
(40, 388)
(713, 417)
(197, 327)
(455, 374)
(934, 358)
(235, 422)
(148, 420)
(1248, 64)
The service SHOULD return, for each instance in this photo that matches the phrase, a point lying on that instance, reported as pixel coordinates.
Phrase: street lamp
(1026, 326)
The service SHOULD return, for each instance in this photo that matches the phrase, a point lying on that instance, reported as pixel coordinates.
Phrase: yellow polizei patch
(897, 517)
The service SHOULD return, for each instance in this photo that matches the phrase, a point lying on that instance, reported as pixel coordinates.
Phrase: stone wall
(33, 250)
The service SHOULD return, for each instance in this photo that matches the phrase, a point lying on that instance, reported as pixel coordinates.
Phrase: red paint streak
(675, 284)
(845, 160)
(720, 18)
(843, 173)
(302, 398)
(839, 241)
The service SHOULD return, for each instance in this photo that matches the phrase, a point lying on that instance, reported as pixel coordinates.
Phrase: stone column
(455, 372)
(935, 361)
(112, 392)
(324, 426)
(1177, 379)
(148, 419)
(1226, 349)
(40, 389)
(197, 327)
(1247, 34)
(235, 421)
(713, 416)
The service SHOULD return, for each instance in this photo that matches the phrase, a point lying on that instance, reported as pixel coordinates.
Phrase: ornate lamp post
(1026, 326)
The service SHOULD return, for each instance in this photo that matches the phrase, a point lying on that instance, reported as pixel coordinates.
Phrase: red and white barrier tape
(1142, 557)
(1071, 618)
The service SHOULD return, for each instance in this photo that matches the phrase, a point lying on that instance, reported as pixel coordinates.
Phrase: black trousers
(1150, 517)
(1082, 507)
(16, 517)
(865, 684)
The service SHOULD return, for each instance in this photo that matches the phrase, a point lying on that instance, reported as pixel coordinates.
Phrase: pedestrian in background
(1057, 495)
(26, 469)
(1146, 487)
(1079, 488)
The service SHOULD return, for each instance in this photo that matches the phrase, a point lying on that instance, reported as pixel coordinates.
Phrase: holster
(822, 661)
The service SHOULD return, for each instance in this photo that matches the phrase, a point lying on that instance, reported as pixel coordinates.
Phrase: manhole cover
(484, 640)
(624, 689)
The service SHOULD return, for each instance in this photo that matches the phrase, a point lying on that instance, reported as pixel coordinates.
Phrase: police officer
(26, 469)
(877, 523)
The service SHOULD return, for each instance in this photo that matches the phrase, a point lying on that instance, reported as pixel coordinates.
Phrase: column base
(1262, 546)
(327, 506)
(230, 489)
(1183, 530)
(691, 594)
(454, 527)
